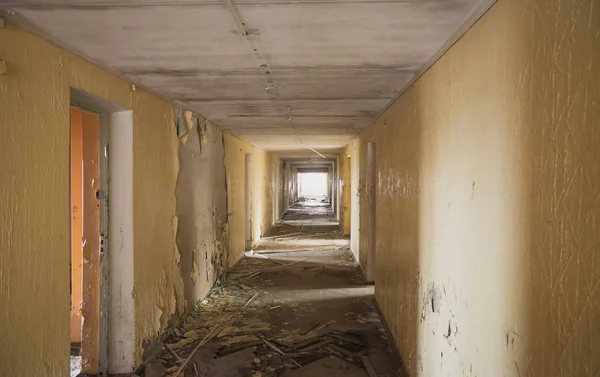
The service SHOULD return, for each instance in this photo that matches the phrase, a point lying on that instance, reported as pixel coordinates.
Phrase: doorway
(101, 266)
(85, 241)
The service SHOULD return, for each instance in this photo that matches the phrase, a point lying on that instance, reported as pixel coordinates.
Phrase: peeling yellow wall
(356, 189)
(265, 193)
(360, 218)
(201, 208)
(34, 225)
(487, 204)
(158, 283)
(263, 165)
(90, 302)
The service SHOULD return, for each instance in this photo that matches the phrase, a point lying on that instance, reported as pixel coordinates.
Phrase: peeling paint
(345, 183)
(201, 206)
(34, 114)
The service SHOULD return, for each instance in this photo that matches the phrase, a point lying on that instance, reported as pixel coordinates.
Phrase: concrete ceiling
(284, 75)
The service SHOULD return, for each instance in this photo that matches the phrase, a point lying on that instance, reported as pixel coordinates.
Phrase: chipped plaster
(201, 207)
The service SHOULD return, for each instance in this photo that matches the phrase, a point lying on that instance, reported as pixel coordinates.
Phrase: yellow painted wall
(201, 208)
(90, 303)
(35, 216)
(356, 191)
(488, 260)
(157, 278)
(263, 165)
(345, 182)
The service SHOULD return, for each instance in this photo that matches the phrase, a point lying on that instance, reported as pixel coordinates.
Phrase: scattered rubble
(249, 355)
(283, 315)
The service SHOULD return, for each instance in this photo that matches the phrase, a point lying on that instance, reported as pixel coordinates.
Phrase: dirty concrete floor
(313, 209)
(75, 366)
(296, 306)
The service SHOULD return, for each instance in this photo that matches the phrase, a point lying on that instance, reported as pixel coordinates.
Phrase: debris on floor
(75, 365)
(297, 312)
(240, 354)
(312, 208)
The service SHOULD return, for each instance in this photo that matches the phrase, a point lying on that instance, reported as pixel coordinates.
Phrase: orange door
(87, 250)
(76, 224)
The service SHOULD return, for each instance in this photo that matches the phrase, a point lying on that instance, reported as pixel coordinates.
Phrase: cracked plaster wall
(488, 179)
(263, 166)
(34, 209)
(201, 207)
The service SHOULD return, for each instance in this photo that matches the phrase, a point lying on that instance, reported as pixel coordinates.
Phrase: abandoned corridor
(303, 187)
(296, 305)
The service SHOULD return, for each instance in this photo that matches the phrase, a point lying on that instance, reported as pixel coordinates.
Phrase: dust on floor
(310, 209)
(75, 366)
(291, 310)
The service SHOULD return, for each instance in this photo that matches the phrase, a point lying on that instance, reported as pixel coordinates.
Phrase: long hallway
(290, 188)
(297, 305)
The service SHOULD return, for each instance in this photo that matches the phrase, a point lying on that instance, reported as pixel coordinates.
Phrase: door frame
(116, 317)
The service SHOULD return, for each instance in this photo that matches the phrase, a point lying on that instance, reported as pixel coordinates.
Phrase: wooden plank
(368, 366)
